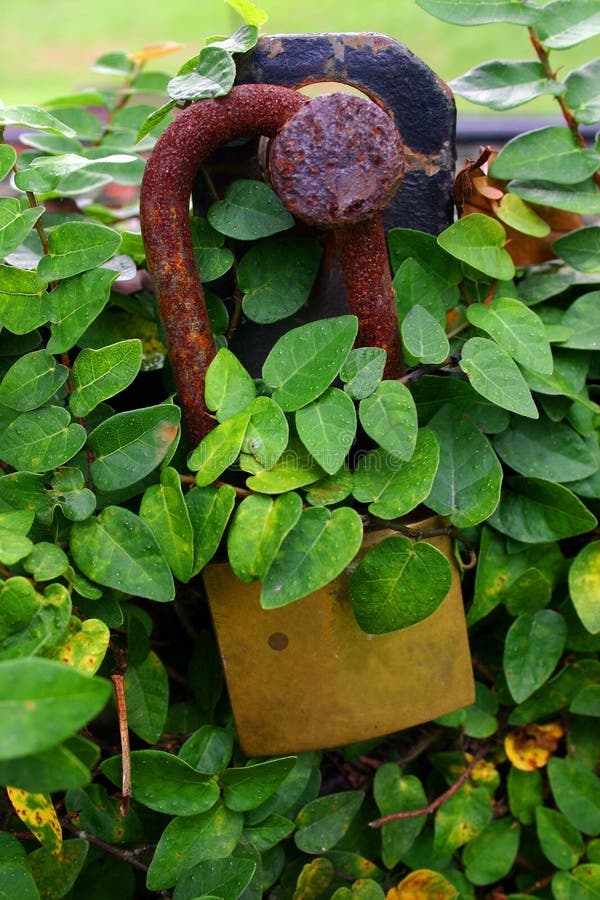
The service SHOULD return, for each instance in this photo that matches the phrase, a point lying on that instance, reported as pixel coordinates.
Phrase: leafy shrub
(495, 426)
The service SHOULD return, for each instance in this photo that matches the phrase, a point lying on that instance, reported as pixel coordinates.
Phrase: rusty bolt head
(337, 161)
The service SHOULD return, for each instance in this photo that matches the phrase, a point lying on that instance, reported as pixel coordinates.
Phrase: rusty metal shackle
(275, 112)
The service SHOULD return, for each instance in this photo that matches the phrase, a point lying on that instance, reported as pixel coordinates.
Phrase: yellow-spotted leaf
(84, 645)
(531, 747)
(423, 884)
(38, 814)
(584, 586)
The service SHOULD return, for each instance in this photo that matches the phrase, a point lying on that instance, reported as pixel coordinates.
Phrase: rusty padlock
(302, 676)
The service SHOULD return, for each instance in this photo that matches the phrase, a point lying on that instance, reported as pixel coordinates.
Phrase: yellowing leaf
(483, 771)
(84, 645)
(37, 812)
(531, 747)
(151, 51)
(423, 884)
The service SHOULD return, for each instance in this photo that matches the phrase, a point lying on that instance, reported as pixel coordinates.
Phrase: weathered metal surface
(164, 211)
(365, 271)
(305, 676)
(337, 161)
(419, 103)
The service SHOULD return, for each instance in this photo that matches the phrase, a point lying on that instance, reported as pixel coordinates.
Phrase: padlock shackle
(248, 111)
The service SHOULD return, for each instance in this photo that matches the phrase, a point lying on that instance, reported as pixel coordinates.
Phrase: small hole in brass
(278, 641)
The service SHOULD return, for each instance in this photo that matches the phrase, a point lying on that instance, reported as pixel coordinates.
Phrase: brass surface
(305, 676)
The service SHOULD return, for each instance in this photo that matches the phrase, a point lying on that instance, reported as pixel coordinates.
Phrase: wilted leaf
(530, 747)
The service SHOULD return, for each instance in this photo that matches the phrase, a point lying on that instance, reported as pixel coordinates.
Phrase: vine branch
(435, 804)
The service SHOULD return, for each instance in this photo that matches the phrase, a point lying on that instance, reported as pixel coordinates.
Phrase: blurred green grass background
(49, 47)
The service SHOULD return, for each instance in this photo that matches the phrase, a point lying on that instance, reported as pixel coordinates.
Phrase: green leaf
(295, 468)
(118, 549)
(257, 531)
(129, 445)
(525, 794)
(213, 77)
(395, 792)
(154, 119)
(23, 300)
(557, 693)
(247, 787)
(18, 606)
(495, 376)
(16, 222)
(580, 198)
(100, 374)
(55, 769)
(56, 873)
(165, 783)
(164, 510)
(241, 41)
(31, 381)
(266, 436)
(46, 562)
(561, 843)
(546, 449)
(480, 12)
(583, 93)
(389, 416)
(394, 488)
(563, 23)
(314, 552)
(115, 62)
(581, 248)
(43, 702)
(228, 387)
(212, 259)
(327, 428)
(583, 317)
(398, 583)
(583, 883)
(504, 83)
(489, 857)
(587, 701)
(33, 117)
(442, 270)
(208, 750)
(41, 440)
(576, 792)
(550, 154)
(362, 371)
(534, 645)
(533, 510)
(76, 247)
(479, 240)
(462, 818)
(423, 337)
(248, 211)
(469, 476)
(13, 547)
(251, 13)
(74, 304)
(323, 822)
(189, 840)
(147, 697)
(517, 329)
(209, 510)
(95, 812)
(304, 362)
(8, 157)
(276, 277)
(226, 879)
(584, 578)
(515, 213)
(219, 449)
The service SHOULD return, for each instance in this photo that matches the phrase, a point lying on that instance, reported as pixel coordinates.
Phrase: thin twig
(435, 804)
(117, 680)
(128, 856)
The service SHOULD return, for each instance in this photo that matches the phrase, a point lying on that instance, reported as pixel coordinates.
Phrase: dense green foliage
(107, 514)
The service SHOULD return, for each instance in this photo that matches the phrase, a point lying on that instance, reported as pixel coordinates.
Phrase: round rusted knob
(338, 161)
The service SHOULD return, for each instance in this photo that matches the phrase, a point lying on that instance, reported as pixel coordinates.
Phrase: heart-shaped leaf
(479, 240)
(398, 583)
